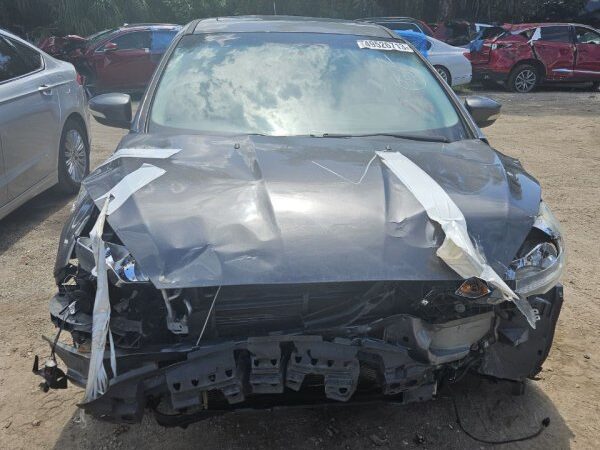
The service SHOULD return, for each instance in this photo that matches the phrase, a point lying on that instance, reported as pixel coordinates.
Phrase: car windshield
(290, 84)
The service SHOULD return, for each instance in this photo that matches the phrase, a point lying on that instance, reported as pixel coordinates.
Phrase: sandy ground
(557, 136)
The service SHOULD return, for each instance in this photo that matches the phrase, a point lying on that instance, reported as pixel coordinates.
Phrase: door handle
(45, 89)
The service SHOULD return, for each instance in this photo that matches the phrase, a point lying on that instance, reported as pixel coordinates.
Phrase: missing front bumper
(405, 365)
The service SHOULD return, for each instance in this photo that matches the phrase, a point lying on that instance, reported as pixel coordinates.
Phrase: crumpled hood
(264, 210)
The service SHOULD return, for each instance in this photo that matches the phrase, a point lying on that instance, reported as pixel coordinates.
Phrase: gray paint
(33, 111)
(263, 210)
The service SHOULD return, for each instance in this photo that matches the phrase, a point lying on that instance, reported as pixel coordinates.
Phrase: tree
(39, 17)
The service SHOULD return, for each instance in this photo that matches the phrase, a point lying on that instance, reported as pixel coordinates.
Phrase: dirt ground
(556, 134)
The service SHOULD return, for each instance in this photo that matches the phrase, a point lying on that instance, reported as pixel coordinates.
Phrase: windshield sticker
(385, 45)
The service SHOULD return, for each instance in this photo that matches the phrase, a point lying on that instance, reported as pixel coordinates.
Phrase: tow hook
(54, 377)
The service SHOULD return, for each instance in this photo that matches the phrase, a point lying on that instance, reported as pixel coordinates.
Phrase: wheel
(595, 86)
(73, 157)
(445, 74)
(523, 79)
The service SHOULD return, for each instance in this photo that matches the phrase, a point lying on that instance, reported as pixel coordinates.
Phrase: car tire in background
(73, 156)
(523, 79)
(595, 86)
(445, 74)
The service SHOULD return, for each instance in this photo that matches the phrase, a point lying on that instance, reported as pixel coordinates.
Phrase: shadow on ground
(488, 410)
(28, 216)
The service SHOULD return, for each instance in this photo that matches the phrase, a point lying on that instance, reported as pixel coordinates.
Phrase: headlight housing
(123, 268)
(541, 260)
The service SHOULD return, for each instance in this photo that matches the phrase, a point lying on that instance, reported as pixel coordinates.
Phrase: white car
(43, 124)
(450, 62)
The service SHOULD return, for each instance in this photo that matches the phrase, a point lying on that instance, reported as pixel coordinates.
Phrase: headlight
(541, 260)
(122, 267)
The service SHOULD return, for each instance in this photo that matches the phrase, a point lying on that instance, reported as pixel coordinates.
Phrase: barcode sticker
(385, 45)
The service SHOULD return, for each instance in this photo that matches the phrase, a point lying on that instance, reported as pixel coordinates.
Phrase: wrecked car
(527, 55)
(121, 59)
(302, 212)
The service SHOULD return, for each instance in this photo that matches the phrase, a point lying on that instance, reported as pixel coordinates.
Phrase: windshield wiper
(410, 137)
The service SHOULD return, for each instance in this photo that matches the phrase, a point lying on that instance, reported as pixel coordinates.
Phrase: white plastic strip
(457, 250)
(130, 184)
(146, 153)
(97, 380)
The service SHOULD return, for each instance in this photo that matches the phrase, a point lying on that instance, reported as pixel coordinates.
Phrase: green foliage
(42, 17)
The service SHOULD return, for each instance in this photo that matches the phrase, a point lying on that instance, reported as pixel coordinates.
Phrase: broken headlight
(123, 268)
(541, 260)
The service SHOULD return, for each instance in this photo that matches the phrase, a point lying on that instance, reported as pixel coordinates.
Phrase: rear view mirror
(112, 110)
(111, 47)
(484, 111)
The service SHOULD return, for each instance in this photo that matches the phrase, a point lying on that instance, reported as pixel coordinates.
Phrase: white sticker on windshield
(384, 45)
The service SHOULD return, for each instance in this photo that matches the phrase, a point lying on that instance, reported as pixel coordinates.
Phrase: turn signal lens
(473, 288)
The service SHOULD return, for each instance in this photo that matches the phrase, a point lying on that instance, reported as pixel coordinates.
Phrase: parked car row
(122, 58)
(521, 56)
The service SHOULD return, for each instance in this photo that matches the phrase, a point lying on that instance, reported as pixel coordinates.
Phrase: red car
(121, 59)
(528, 54)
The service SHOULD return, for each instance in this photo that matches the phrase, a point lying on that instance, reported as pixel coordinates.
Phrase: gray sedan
(43, 124)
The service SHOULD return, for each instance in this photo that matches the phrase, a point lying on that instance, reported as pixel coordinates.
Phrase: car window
(17, 59)
(290, 84)
(161, 39)
(555, 34)
(403, 26)
(133, 41)
(587, 36)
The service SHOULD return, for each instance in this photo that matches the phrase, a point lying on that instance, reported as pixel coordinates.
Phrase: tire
(445, 74)
(595, 86)
(523, 79)
(73, 157)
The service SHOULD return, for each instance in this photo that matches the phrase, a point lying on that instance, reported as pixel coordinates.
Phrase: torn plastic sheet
(145, 153)
(129, 185)
(457, 250)
(97, 380)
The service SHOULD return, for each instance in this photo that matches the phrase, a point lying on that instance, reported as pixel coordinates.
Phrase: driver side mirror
(112, 110)
(484, 111)
(111, 47)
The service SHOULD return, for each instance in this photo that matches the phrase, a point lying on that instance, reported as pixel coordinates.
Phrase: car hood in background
(265, 210)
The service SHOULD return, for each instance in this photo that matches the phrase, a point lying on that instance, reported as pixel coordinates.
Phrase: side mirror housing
(112, 110)
(484, 111)
(111, 47)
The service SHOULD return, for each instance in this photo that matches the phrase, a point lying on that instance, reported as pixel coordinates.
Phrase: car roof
(148, 26)
(390, 19)
(528, 26)
(286, 24)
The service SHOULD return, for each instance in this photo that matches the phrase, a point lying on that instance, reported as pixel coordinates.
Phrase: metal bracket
(266, 374)
(336, 361)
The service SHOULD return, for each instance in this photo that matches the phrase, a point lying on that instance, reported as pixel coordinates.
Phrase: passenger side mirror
(484, 111)
(112, 110)
(111, 47)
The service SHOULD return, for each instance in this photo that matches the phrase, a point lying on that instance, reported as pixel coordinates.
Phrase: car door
(29, 117)
(124, 63)
(554, 47)
(587, 63)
